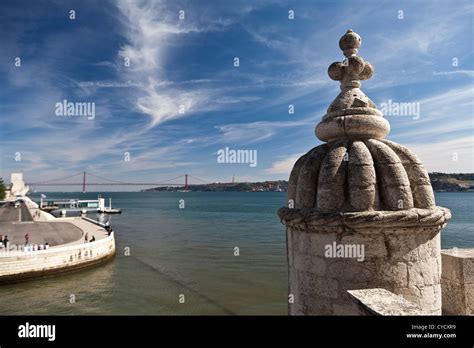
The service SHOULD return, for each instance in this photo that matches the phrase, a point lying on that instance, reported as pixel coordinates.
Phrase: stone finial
(357, 169)
(352, 115)
(353, 68)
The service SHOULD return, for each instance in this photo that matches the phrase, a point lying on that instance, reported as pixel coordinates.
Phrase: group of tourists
(33, 247)
(86, 238)
(5, 243)
(107, 228)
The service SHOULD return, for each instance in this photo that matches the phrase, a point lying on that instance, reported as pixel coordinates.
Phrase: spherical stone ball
(350, 41)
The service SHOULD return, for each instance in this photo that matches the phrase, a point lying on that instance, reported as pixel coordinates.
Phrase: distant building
(17, 186)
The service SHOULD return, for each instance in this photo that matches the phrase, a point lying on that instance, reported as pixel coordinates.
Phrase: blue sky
(189, 62)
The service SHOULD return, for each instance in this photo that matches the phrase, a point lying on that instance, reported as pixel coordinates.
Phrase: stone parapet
(405, 262)
(457, 281)
(382, 302)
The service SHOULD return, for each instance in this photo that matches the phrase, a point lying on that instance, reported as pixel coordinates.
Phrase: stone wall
(23, 265)
(457, 281)
(405, 261)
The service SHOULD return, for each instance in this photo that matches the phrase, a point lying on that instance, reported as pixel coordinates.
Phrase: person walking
(27, 239)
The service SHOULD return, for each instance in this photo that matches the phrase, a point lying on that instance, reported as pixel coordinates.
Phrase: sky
(168, 96)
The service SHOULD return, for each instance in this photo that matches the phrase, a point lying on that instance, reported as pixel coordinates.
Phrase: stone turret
(361, 210)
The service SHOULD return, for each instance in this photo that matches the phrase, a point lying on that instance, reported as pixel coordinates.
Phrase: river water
(189, 254)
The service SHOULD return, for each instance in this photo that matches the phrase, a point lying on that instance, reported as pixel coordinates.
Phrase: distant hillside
(264, 186)
(440, 182)
(457, 176)
(452, 182)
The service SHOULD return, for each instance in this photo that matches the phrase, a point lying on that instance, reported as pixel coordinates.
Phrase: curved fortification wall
(19, 265)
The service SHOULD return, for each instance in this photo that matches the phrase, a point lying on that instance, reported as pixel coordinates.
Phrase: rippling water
(190, 251)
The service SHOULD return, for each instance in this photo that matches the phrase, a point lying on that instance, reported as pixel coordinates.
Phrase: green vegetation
(3, 188)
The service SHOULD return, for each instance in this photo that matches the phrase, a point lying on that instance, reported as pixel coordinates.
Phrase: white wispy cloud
(253, 132)
(441, 112)
(451, 156)
(172, 104)
(429, 31)
(469, 73)
(237, 100)
(282, 166)
(150, 28)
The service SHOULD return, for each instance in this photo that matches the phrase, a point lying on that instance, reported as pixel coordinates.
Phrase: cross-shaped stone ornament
(353, 68)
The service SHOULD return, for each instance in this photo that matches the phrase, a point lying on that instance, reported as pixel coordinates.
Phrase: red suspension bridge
(82, 177)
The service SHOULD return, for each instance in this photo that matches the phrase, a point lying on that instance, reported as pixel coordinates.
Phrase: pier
(94, 205)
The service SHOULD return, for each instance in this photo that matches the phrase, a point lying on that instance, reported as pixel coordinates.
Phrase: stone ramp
(8, 213)
(25, 213)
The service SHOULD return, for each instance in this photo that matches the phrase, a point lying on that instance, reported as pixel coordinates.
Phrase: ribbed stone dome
(349, 175)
